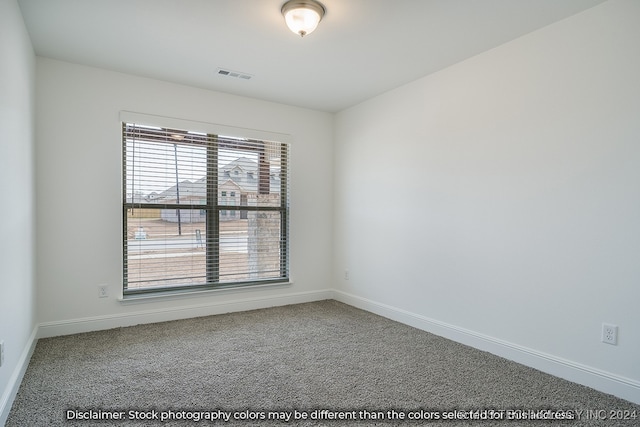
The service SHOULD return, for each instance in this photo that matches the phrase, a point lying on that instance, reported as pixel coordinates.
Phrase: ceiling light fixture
(302, 16)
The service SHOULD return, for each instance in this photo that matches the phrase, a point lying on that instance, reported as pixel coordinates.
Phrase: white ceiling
(360, 49)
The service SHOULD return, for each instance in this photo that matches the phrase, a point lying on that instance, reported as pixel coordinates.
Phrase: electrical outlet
(103, 291)
(1, 353)
(346, 275)
(609, 334)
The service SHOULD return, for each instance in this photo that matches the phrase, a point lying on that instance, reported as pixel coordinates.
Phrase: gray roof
(242, 171)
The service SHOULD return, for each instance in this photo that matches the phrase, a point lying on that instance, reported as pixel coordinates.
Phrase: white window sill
(183, 294)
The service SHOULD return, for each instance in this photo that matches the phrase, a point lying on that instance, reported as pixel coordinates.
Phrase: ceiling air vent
(236, 74)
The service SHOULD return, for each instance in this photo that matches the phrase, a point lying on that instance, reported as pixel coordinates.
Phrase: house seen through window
(202, 211)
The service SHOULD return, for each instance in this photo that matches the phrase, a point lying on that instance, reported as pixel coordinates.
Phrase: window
(180, 229)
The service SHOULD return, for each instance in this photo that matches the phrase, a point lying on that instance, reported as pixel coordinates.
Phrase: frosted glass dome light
(302, 16)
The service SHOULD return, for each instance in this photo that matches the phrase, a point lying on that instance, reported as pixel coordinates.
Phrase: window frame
(214, 208)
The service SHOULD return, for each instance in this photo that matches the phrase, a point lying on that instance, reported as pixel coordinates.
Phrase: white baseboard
(624, 388)
(185, 311)
(88, 324)
(606, 382)
(10, 392)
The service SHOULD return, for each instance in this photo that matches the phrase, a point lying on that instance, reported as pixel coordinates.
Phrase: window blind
(202, 210)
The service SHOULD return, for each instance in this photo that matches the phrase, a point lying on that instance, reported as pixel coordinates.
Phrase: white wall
(79, 194)
(17, 248)
(498, 201)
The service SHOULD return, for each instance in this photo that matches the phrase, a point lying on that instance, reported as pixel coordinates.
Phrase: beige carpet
(316, 362)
